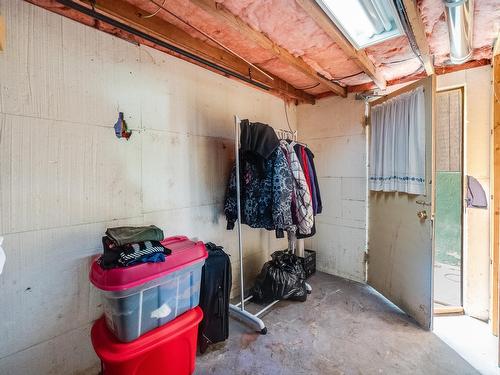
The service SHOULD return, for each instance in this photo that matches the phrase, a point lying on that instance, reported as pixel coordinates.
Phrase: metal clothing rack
(238, 310)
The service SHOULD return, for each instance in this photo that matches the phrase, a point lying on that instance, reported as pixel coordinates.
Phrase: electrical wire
(211, 38)
(331, 80)
(399, 61)
(309, 87)
(349, 76)
(155, 12)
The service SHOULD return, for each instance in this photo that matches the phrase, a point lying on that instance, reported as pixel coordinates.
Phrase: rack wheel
(263, 331)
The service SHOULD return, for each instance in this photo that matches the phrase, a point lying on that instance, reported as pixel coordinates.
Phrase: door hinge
(366, 256)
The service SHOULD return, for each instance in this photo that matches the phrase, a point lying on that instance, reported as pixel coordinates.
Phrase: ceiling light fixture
(364, 22)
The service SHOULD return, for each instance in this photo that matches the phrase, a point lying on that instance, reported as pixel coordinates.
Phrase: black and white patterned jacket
(266, 193)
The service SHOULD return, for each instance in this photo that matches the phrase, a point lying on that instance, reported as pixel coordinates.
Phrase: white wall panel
(44, 287)
(338, 156)
(340, 250)
(333, 131)
(69, 353)
(65, 177)
(56, 173)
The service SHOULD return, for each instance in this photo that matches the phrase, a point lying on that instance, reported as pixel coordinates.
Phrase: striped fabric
(302, 196)
(141, 249)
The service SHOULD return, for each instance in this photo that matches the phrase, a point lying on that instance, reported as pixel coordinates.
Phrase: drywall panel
(340, 250)
(339, 156)
(333, 130)
(82, 76)
(195, 170)
(477, 125)
(45, 283)
(68, 353)
(56, 173)
(65, 177)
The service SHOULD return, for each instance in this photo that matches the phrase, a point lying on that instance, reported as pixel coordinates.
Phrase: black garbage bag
(283, 277)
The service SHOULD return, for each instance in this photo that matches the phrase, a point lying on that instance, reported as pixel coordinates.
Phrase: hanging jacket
(305, 168)
(313, 186)
(302, 156)
(258, 139)
(319, 204)
(265, 192)
(476, 197)
(301, 196)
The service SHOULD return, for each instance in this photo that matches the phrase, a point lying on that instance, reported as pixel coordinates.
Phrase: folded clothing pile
(126, 246)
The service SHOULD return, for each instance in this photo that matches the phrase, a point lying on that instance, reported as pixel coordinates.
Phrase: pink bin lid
(184, 253)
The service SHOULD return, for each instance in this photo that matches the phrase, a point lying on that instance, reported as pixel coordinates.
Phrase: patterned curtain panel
(397, 145)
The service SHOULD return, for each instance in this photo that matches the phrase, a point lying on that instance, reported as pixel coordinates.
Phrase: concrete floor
(472, 339)
(343, 328)
(447, 289)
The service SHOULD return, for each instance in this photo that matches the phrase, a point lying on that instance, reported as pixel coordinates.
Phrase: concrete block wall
(333, 130)
(65, 177)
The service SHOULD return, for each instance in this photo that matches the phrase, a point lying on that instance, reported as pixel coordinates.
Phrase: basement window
(364, 22)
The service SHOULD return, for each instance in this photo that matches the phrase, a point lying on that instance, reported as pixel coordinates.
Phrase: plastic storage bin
(168, 350)
(143, 297)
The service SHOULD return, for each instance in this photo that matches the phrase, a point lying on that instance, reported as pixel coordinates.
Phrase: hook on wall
(121, 129)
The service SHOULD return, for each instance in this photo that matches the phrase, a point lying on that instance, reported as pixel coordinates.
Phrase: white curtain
(397, 146)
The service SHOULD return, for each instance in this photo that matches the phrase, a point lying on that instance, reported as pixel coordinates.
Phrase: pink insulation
(289, 26)
(395, 58)
(486, 26)
(226, 35)
(282, 21)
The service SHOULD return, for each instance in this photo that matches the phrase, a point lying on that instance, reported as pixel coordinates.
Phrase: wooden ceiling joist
(358, 56)
(418, 29)
(156, 27)
(217, 11)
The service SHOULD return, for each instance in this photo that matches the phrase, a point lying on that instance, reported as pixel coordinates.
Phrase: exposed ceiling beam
(466, 65)
(391, 82)
(418, 28)
(370, 86)
(220, 13)
(130, 15)
(358, 56)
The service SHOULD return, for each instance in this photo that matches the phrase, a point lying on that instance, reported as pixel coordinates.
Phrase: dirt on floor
(343, 328)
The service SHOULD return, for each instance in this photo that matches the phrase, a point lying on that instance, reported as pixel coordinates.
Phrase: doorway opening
(448, 256)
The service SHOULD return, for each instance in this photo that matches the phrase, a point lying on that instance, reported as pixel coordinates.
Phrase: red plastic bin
(167, 350)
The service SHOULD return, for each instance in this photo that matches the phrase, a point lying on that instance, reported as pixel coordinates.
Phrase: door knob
(422, 215)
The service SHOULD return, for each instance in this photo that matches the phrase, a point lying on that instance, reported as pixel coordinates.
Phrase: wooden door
(400, 255)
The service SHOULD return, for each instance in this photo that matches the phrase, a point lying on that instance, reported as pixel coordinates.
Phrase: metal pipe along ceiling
(459, 15)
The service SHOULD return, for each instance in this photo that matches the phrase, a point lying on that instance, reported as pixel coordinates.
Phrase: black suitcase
(214, 297)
